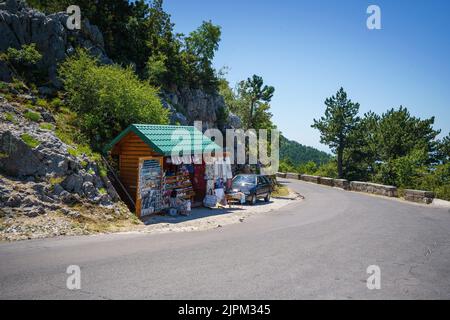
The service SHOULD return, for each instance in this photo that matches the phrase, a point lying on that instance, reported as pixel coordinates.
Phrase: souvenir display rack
(180, 181)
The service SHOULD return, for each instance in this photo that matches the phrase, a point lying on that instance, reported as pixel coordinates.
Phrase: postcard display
(150, 198)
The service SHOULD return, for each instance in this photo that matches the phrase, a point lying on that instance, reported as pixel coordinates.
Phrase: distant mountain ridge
(298, 153)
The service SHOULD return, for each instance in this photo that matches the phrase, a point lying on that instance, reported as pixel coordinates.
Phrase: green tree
(286, 165)
(256, 97)
(204, 41)
(201, 45)
(398, 134)
(361, 152)
(405, 171)
(156, 70)
(141, 34)
(120, 21)
(443, 152)
(338, 123)
(107, 99)
(328, 169)
(309, 167)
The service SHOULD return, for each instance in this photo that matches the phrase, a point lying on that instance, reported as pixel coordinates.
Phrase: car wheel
(267, 198)
(253, 200)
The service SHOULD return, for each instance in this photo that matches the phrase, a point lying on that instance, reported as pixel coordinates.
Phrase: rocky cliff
(188, 105)
(47, 187)
(21, 25)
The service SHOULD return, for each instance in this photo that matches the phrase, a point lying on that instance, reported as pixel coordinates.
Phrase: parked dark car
(254, 186)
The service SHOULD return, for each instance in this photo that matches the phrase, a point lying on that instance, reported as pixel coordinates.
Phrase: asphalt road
(319, 248)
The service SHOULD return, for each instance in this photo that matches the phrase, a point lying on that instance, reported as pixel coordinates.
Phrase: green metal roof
(163, 138)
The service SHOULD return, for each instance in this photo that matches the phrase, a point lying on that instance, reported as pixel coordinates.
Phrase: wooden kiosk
(146, 169)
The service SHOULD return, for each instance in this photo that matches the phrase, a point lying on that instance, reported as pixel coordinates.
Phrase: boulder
(89, 190)
(234, 121)
(14, 201)
(110, 189)
(69, 198)
(57, 189)
(34, 211)
(73, 183)
(20, 159)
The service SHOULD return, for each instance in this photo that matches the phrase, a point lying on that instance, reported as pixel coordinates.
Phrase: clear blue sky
(308, 49)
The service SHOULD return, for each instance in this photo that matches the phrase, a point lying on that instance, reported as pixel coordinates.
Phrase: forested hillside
(300, 154)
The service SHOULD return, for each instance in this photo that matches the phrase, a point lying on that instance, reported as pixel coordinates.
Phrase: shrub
(3, 86)
(22, 60)
(286, 165)
(46, 126)
(32, 116)
(27, 55)
(328, 170)
(9, 117)
(29, 140)
(55, 180)
(438, 180)
(29, 105)
(42, 103)
(103, 172)
(56, 104)
(309, 167)
(107, 99)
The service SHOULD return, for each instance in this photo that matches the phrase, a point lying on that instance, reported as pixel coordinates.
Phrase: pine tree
(337, 124)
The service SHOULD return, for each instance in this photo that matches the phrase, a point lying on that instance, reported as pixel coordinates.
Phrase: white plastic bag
(210, 201)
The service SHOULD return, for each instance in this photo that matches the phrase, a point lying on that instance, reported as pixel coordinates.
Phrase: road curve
(319, 248)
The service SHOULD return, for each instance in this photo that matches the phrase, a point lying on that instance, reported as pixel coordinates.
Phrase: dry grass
(280, 191)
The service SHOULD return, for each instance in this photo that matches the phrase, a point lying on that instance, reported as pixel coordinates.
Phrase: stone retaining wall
(290, 175)
(308, 178)
(360, 186)
(341, 183)
(419, 196)
(281, 175)
(326, 181)
(374, 188)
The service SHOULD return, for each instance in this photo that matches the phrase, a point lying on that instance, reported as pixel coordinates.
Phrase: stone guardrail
(341, 183)
(326, 181)
(308, 178)
(419, 196)
(360, 186)
(374, 188)
(291, 175)
(281, 174)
